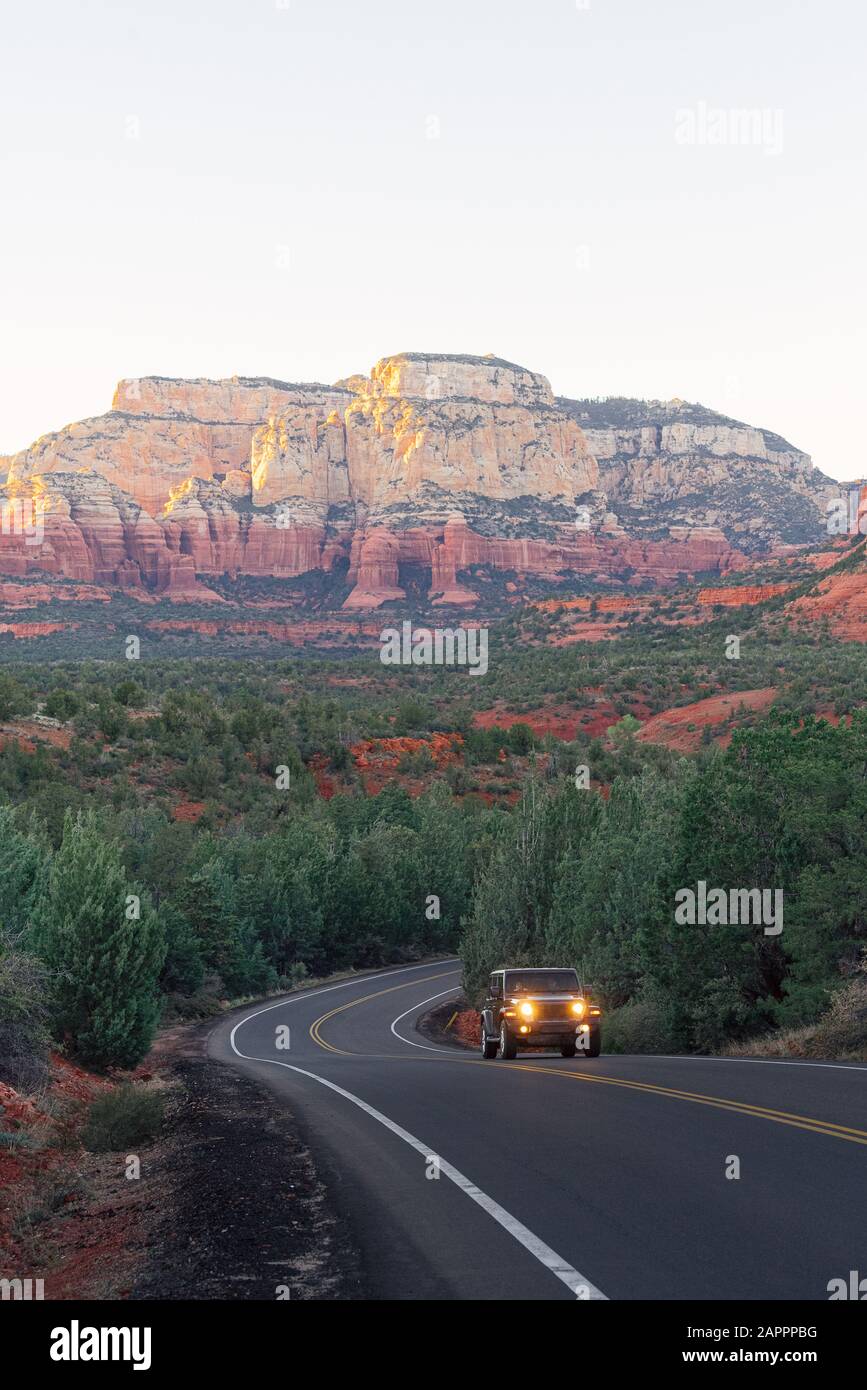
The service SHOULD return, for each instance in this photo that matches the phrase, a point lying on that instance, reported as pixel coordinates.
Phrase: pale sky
(295, 189)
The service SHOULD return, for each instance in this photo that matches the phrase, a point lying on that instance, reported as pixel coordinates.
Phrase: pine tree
(207, 898)
(104, 959)
(23, 865)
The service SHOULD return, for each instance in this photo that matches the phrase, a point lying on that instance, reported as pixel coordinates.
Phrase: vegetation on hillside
(176, 832)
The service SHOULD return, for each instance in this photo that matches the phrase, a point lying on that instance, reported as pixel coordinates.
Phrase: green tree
(183, 970)
(12, 697)
(104, 961)
(62, 704)
(208, 900)
(24, 861)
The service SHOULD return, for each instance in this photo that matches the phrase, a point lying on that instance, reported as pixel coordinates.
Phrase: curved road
(593, 1179)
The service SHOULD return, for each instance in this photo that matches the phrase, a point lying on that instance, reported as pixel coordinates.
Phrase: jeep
(538, 1008)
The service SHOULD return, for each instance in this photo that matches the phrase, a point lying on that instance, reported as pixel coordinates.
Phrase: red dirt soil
(586, 632)
(744, 594)
(842, 600)
(326, 786)
(27, 734)
(377, 759)
(671, 726)
(49, 1158)
(562, 721)
(22, 630)
(465, 1028)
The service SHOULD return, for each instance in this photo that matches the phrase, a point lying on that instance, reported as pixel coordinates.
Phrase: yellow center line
(316, 1025)
(759, 1112)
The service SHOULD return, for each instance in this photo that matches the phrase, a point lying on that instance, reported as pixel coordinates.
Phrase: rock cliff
(433, 464)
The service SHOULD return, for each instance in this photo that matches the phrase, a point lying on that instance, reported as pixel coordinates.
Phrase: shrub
(842, 1031)
(126, 1116)
(642, 1025)
(61, 704)
(23, 1021)
(417, 763)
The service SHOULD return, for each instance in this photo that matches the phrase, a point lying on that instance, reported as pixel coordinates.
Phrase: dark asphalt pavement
(562, 1179)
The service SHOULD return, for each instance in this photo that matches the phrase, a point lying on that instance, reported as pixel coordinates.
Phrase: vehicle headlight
(579, 1008)
(526, 1010)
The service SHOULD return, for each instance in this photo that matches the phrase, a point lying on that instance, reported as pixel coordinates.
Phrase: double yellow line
(365, 999)
(759, 1112)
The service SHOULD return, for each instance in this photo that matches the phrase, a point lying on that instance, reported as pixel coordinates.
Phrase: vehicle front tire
(595, 1046)
(488, 1048)
(508, 1046)
(567, 1049)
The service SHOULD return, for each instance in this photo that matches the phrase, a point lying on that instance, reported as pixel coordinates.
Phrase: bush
(125, 1117)
(23, 1021)
(842, 1031)
(297, 974)
(205, 1002)
(61, 704)
(642, 1025)
(719, 1014)
(417, 763)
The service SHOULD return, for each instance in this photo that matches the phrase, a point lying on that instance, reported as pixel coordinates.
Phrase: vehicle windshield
(541, 982)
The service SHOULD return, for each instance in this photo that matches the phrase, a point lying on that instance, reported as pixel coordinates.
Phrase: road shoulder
(244, 1211)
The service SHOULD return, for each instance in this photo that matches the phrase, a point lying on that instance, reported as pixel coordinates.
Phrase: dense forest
(194, 831)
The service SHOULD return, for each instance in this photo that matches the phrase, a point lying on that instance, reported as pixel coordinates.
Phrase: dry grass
(840, 1034)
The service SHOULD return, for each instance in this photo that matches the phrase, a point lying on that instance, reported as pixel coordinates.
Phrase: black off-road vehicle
(538, 1008)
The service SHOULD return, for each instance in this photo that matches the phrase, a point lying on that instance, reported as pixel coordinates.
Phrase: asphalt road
(592, 1178)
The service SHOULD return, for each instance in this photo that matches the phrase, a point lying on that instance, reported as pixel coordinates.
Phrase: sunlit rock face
(435, 461)
(159, 433)
(430, 376)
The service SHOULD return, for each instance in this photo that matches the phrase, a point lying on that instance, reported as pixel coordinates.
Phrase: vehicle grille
(556, 1011)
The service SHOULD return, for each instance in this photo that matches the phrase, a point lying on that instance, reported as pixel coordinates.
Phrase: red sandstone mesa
(433, 463)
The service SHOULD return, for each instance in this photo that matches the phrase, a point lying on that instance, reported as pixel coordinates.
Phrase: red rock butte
(437, 463)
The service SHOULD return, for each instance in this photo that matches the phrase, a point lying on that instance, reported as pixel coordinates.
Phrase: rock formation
(434, 464)
(742, 596)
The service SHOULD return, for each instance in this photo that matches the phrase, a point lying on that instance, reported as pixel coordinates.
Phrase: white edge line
(446, 1051)
(755, 1061)
(575, 1282)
